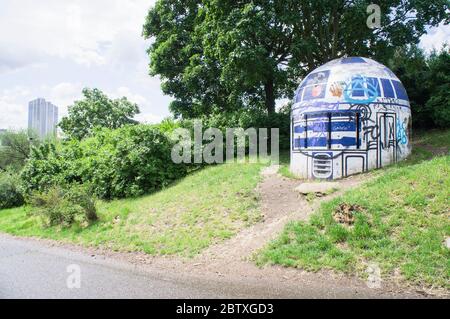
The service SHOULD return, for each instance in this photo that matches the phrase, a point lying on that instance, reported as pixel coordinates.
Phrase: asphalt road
(30, 270)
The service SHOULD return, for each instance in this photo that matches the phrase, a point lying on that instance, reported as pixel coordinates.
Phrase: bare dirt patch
(345, 213)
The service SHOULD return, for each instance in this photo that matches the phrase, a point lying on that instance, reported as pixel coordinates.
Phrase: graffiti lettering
(402, 138)
(359, 86)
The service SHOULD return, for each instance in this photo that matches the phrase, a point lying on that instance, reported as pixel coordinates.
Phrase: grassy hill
(207, 206)
(401, 223)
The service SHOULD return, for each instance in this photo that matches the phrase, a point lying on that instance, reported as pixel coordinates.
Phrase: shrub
(439, 107)
(46, 167)
(82, 196)
(64, 206)
(10, 196)
(126, 162)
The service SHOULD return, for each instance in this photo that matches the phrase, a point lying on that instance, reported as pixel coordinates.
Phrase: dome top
(352, 80)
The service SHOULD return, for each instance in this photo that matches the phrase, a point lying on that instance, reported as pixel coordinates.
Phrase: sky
(53, 49)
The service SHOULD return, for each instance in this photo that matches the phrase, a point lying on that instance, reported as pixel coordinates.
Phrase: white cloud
(73, 29)
(141, 101)
(56, 48)
(63, 95)
(436, 37)
(148, 118)
(124, 91)
(12, 112)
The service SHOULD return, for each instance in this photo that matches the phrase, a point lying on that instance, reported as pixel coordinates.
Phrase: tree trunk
(270, 96)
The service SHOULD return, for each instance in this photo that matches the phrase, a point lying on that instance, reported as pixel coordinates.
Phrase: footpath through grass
(207, 206)
(402, 225)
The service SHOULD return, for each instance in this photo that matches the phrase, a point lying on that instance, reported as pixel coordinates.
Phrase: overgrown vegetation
(64, 206)
(10, 195)
(427, 81)
(15, 147)
(205, 207)
(400, 222)
(127, 162)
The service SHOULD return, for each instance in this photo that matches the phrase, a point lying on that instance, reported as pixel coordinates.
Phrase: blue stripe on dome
(387, 87)
(341, 126)
(353, 60)
(345, 141)
(400, 89)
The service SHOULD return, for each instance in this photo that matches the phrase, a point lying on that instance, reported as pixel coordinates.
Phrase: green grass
(403, 226)
(284, 169)
(206, 207)
(435, 138)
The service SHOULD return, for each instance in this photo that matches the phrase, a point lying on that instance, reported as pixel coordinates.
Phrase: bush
(439, 107)
(126, 162)
(44, 169)
(64, 206)
(10, 196)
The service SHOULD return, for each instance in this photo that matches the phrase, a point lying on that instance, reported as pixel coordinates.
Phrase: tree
(177, 56)
(427, 81)
(97, 110)
(217, 55)
(15, 149)
(409, 63)
(438, 105)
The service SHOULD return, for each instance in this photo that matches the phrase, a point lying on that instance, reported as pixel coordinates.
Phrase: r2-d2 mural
(349, 116)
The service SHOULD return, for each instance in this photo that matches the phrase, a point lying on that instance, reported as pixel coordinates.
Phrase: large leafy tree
(97, 110)
(217, 55)
(177, 55)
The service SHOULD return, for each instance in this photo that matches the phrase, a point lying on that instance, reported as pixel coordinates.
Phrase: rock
(447, 242)
(317, 187)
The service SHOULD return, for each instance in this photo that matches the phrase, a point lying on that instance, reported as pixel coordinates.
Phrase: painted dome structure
(349, 116)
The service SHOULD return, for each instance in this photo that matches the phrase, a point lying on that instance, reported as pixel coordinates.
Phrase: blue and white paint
(349, 116)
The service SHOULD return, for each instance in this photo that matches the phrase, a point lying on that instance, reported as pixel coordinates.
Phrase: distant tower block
(42, 118)
(349, 116)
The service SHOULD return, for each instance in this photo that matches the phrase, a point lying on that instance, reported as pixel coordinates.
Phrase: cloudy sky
(54, 48)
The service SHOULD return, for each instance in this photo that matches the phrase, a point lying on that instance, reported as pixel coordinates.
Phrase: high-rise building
(42, 118)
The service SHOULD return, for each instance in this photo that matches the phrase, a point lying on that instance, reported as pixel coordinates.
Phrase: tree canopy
(222, 55)
(427, 81)
(97, 110)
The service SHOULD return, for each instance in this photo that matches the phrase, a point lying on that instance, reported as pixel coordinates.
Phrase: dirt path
(280, 203)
